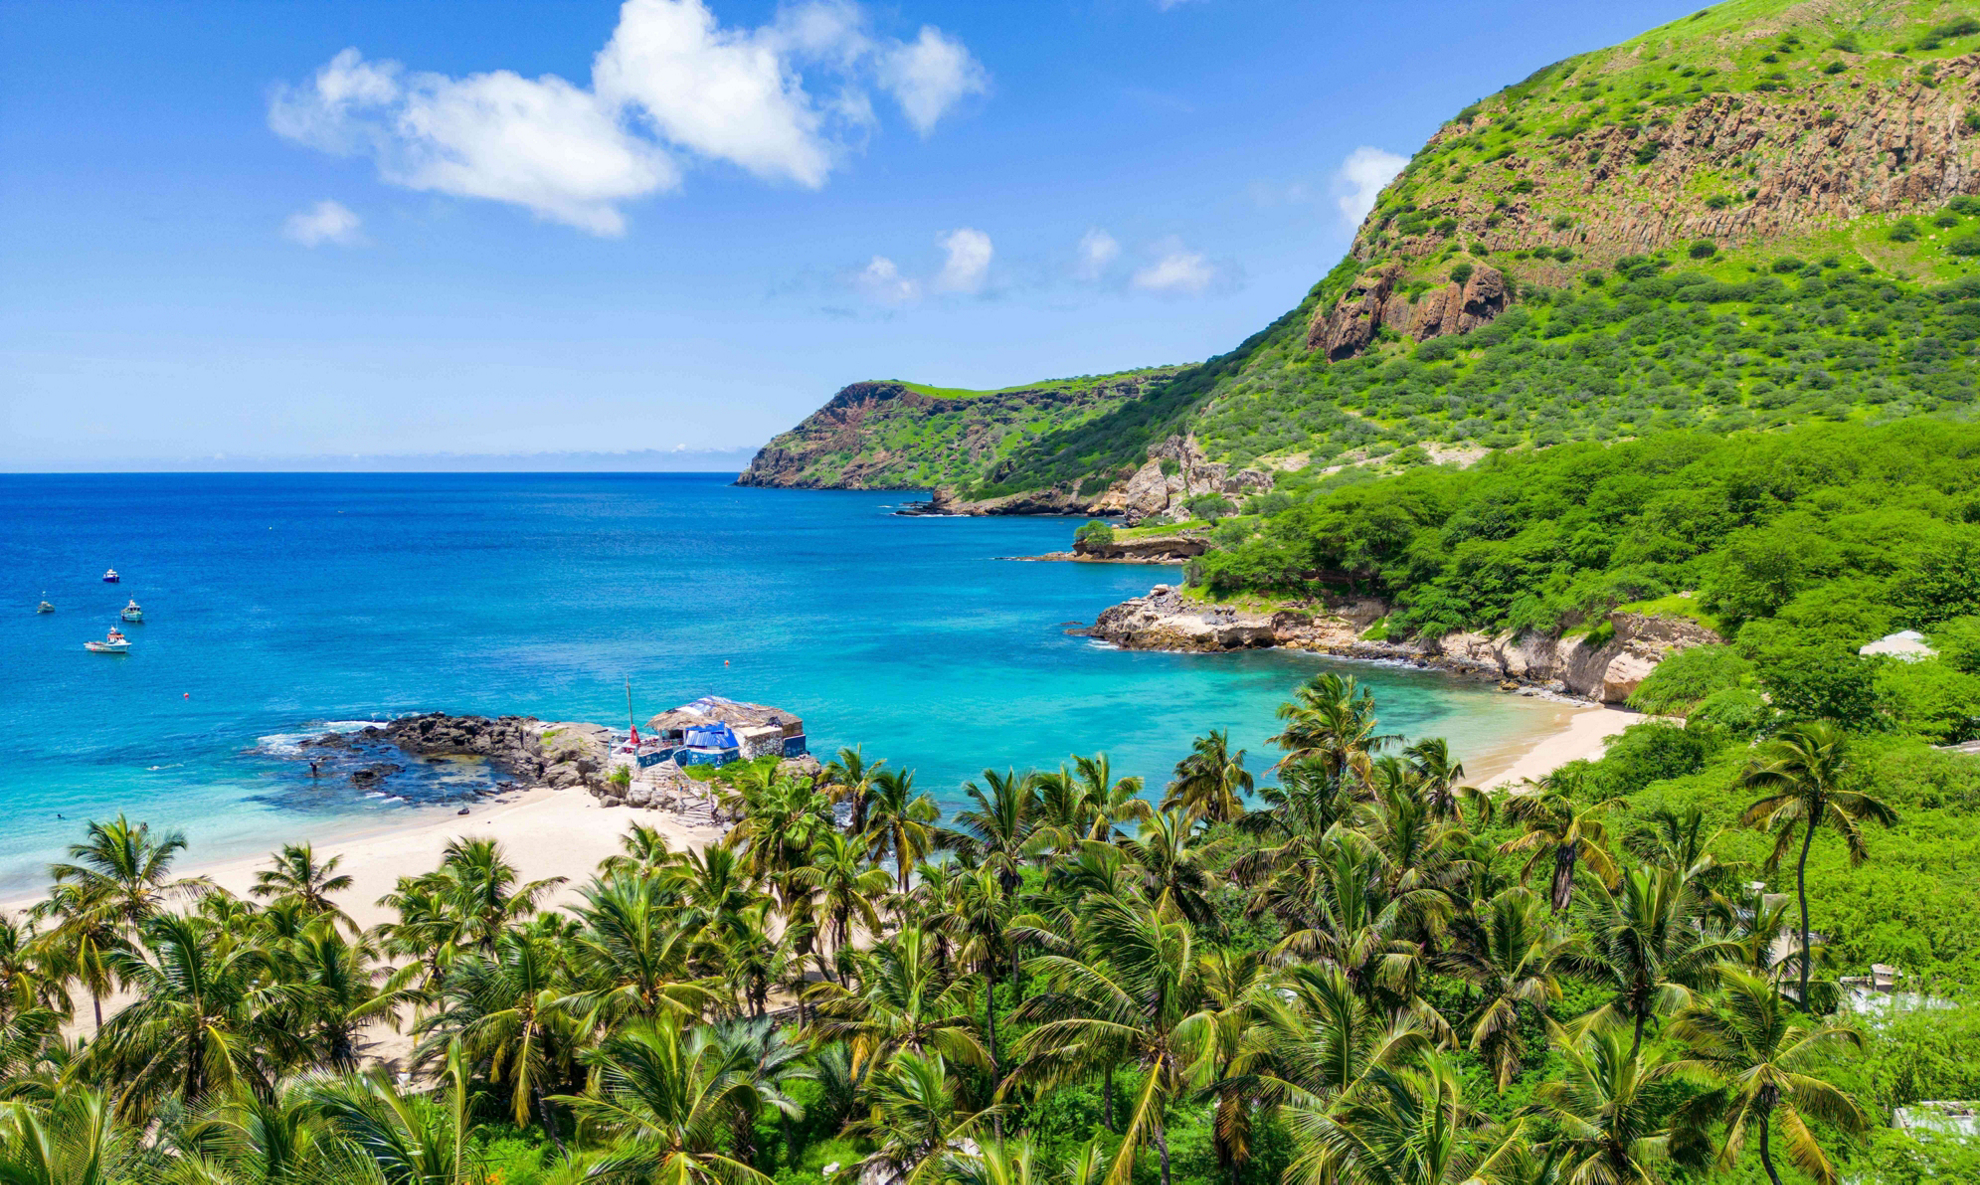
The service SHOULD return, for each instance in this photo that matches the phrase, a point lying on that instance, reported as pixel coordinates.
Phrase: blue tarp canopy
(715, 735)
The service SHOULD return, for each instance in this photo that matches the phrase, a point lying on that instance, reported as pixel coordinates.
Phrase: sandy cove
(544, 832)
(566, 833)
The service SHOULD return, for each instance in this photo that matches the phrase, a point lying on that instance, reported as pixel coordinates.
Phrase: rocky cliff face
(1613, 155)
(889, 435)
(1606, 673)
(1175, 472)
(1373, 302)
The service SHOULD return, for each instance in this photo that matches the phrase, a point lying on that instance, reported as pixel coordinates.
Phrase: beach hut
(747, 731)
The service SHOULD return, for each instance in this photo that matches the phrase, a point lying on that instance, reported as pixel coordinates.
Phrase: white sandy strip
(1583, 737)
(544, 833)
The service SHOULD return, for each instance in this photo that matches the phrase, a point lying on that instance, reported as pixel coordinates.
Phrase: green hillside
(1758, 215)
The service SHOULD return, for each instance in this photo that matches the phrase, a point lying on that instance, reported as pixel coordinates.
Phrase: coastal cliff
(1604, 666)
(893, 435)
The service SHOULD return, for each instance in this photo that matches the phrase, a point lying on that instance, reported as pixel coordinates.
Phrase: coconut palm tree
(73, 1139)
(1747, 1043)
(997, 831)
(1407, 1126)
(1331, 718)
(1802, 776)
(1562, 833)
(1509, 953)
(658, 1093)
(846, 888)
(386, 1134)
(904, 1002)
(295, 875)
(485, 891)
(998, 1162)
(632, 955)
(1128, 997)
(1173, 865)
(641, 849)
(900, 823)
(1110, 801)
(504, 1007)
(762, 1059)
(127, 871)
(1646, 945)
(208, 1019)
(915, 1116)
(1211, 783)
(975, 914)
(848, 781)
(345, 988)
(1610, 1123)
(77, 949)
(1439, 780)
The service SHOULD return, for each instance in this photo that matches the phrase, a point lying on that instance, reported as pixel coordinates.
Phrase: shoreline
(550, 832)
(544, 832)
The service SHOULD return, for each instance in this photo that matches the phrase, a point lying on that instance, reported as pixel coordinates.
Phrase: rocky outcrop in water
(1606, 672)
(541, 753)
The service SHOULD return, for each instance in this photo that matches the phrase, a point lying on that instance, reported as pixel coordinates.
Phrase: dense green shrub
(1095, 533)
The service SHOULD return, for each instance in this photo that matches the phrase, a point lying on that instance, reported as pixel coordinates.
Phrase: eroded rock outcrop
(1606, 672)
(558, 754)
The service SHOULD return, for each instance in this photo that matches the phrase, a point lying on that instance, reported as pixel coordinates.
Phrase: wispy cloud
(1177, 271)
(882, 282)
(966, 261)
(325, 222)
(670, 88)
(1097, 249)
(1360, 179)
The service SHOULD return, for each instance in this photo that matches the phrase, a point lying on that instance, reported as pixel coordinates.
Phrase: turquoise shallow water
(278, 603)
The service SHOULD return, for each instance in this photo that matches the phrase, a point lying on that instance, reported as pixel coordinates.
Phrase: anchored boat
(132, 612)
(44, 607)
(116, 643)
(110, 576)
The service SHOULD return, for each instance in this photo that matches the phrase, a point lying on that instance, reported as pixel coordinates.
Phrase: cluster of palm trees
(1305, 973)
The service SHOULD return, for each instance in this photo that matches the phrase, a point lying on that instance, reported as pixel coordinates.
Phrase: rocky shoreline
(1603, 671)
(559, 755)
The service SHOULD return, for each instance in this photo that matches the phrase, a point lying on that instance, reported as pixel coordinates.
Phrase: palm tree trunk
(1564, 860)
(1107, 1096)
(1766, 1152)
(1636, 1043)
(96, 1002)
(990, 1011)
(549, 1122)
(1162, 1146)
(1801, 890)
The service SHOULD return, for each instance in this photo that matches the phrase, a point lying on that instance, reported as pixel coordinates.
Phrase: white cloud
(967, 261)
(1178, 272)
(882, 281)
(324, 222)
(671, 86)
(1097, 249)
(1361, 177)
(928, 75)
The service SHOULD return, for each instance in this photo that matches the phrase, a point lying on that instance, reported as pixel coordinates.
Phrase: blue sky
(252, 233)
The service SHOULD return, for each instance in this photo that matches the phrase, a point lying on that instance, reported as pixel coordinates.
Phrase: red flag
(635, 739)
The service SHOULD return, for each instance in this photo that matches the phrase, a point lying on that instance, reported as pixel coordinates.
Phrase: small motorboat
(116, 643)
(110, 576)
(44, 607)
(132, 612)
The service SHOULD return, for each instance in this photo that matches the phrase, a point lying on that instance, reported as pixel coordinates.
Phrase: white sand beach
(545, 832)
(1581, 737)
(565, 833)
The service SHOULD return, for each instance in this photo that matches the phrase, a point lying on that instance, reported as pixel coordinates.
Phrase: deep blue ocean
(276, 605)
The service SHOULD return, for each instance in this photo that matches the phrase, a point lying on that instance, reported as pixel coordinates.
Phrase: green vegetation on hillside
(1650, 345)
(1801, 545)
